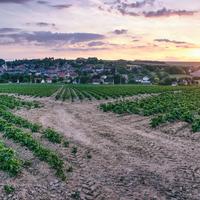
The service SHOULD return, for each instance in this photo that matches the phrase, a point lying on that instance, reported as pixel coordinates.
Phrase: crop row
(90, 92)
(25, 139)
(12, 102)
(8, 123)
(83, 92)
(38, 90)
(19, 121)
(9, 161)
(166, 107)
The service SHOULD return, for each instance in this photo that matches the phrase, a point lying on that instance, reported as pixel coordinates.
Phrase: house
(146, 80)
(49, 80)
(71, 75)
(61, 74)
(108, 81)
(87, 69)
(138, 80)
(174, 84)
(99, 69)
(184, 82)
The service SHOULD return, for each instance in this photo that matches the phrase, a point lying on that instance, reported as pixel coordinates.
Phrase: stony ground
(119, 157)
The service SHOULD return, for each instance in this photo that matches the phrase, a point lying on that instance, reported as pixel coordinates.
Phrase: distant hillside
(185, 64)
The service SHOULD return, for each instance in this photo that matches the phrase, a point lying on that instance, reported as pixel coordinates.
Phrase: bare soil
(129, 160)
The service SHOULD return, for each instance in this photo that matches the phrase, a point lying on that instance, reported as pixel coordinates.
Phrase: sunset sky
(107, 29)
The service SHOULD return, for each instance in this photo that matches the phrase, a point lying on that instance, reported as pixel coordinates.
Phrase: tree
(117, 79)
(85, 79)
(167, 81)
(2, 62)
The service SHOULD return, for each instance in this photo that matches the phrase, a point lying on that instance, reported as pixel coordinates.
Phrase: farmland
(82, 92)
(99, 142)
(28, 135)
(37, 90)
(167, 107)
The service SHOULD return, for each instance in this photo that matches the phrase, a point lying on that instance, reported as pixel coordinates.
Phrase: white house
(146, 80)
(49, 80)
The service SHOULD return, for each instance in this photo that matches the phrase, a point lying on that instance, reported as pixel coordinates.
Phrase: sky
(165, 30)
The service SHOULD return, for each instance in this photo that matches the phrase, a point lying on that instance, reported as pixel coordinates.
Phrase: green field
(167, 107)
(83, 92)
(21, 131)
(38, 90)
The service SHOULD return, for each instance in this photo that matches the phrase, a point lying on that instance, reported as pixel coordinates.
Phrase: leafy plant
(9, 161)
(66, 143)
(8, 189)
(52, 136)
(74, 150)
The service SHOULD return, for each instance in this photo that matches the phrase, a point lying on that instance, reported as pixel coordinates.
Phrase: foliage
(19, 121)
(8, 189)
(33, 145)
(66, 143)
(52, 136)
(74, 150)
(39, 90)
(89, 92)
(10, 127)
(9, 161)
(167, 107)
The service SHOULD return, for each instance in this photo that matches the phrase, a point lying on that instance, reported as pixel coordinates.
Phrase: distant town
(95, 71)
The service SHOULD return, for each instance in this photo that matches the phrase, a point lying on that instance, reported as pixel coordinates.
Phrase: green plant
(52, 136)
(33, 145)
(8, 189)
(8, 160)
(66, 143)
(74, 150)
(76, 195)
(69, 169)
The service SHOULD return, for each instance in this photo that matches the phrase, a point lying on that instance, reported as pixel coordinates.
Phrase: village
(94, 71)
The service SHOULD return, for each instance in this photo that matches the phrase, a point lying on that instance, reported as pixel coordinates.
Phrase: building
(146, 80)
(49, 80)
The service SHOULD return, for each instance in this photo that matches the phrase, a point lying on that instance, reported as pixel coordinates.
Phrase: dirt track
(129, 159)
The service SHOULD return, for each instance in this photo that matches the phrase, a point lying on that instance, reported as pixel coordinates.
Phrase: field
(99, 142)
(37, 90)
(167, 107)
(82, 92)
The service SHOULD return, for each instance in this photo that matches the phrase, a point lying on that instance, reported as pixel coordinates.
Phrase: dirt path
(129, 159)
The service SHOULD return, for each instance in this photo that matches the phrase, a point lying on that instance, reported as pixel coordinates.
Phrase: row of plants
(90, 92)
(38, 90)
(17, 128)
(13, 102)
(166, 107)
(9, 162)
(25, 139)
(19, 121)
(50, 134)
(83, 92)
